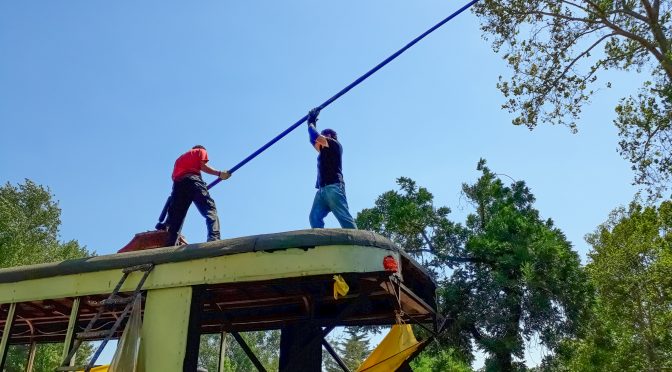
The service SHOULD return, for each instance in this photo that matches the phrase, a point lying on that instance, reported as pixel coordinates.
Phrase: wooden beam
(70, 335)
(194, 329)
(248, 351)
(4, 344)
(222, 352)
(31, 356)
(334, 355)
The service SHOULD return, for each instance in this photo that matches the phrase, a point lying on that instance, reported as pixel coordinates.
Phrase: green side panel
(164, 330)
(241, 267)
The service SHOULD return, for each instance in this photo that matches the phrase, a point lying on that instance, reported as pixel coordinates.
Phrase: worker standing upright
(330, 195)
(188, 187)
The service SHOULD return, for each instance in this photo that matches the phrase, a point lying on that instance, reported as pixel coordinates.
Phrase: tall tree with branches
(556, 50)
(30, 222)
(505, 277)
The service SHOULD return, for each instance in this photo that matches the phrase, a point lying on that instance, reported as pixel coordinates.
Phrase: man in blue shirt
(330, 195)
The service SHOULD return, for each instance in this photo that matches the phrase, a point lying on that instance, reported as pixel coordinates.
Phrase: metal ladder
(105, 305)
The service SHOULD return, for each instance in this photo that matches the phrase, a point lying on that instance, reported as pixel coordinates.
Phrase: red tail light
(390, 264)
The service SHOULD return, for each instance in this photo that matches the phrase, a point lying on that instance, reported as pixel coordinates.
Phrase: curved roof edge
(257, 243)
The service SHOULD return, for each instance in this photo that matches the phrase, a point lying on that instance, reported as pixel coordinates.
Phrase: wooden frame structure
(274, 281)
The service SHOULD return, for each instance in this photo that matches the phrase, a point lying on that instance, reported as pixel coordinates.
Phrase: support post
(164, 330)
(6, 333)
(298, 352)
(249, 352)
(222, 352)
(194, 331)
(31, 356)
(306, 338)
(70, 334)
(334, 355)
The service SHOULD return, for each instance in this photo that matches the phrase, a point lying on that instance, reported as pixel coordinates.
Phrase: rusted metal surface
(245, 306)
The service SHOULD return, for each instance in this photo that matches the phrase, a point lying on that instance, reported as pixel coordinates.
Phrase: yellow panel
(399, 344)
(164, 330)
(242, 267)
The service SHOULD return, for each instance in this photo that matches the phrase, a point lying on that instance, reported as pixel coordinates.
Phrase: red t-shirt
(189, 163)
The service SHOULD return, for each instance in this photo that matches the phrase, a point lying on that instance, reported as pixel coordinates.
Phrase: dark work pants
(186, 190)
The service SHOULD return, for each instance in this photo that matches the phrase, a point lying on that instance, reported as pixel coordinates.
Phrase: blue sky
(97, 99)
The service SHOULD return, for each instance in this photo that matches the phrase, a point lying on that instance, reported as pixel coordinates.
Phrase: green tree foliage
(47, 357)
(409, 218)
(29, 234)
(514, 275)
(441, 361)
(631, 270)
(353, 350)
(556, 50)
(29, 227)
(264, 344)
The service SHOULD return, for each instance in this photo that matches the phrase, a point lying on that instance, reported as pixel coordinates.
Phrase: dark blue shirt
(329, 163)
(329, 166)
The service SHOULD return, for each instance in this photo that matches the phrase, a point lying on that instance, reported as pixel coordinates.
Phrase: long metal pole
(345, 90)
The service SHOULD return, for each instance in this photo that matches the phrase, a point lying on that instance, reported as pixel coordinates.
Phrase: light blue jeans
(331, 198)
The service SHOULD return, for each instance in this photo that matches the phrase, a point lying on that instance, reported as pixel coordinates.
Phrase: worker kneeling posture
(188, 186)
(330, 195)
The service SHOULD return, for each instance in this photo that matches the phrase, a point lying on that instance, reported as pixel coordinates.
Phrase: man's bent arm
(209, 170)
(316, 139)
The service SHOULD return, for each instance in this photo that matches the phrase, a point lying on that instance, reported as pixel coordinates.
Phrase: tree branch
(575, 5)
(454, 258)
(634, 14)
(659, 37)
(432, 250)
(594, 5)
(557, 15)
(549, 87)
(618, 30)
(645, 43)
(475, 332)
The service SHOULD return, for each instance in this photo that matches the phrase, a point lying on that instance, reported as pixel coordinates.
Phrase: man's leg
(319, 211)
(207, 207)
(177, 211)
(338, 204)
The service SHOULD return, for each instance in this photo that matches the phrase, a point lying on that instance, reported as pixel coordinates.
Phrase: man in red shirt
(188, 186)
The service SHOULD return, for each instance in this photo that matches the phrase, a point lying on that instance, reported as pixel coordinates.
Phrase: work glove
(224, 175)
(312, 116)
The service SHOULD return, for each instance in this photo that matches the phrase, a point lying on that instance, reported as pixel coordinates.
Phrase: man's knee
(315, 221)
(211, 215)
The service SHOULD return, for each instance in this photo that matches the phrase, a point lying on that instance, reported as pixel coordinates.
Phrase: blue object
(312, 134)
(345, 90)
(331, 198)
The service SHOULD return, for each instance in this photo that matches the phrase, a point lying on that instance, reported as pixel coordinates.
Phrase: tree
(47, 357)
(353, 350)
(631, 270)
(29, 227)
(509, 274)
(29, 234)
(557, 48)
(443, 360)
(409, 218)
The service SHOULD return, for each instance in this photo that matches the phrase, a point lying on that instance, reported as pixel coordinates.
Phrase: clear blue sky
(97, 99)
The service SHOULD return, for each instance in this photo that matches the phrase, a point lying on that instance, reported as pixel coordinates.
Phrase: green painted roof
(303, 239)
